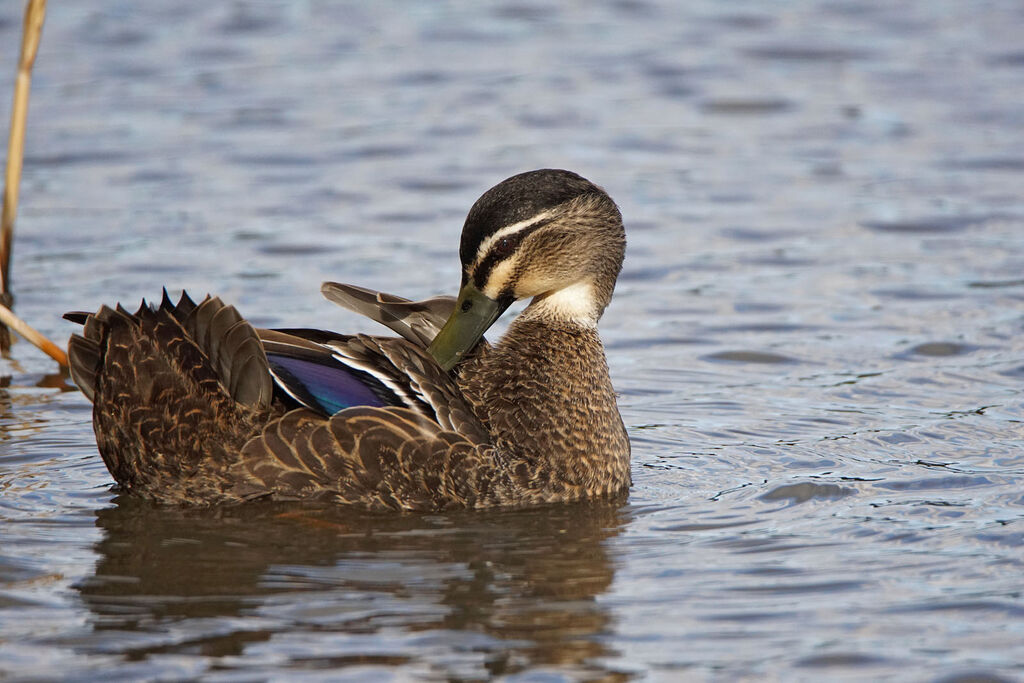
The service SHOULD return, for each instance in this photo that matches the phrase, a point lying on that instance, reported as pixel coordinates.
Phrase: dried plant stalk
(8, 318)
(32, 29)
(35, 11)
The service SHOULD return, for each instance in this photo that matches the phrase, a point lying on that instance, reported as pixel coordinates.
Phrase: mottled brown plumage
(193, 405)
(576, 446)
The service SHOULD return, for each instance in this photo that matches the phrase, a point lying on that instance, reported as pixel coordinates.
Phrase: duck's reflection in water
(311, 586)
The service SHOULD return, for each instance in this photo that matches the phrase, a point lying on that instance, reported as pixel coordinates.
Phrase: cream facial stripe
(491, 240)
(498, 277)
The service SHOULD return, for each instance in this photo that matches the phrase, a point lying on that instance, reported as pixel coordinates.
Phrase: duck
(193, 405)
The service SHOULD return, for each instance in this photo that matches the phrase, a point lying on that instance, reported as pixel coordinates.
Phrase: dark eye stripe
(501, 250)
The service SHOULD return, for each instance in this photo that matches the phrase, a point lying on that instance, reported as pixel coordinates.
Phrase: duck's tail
(176, 389)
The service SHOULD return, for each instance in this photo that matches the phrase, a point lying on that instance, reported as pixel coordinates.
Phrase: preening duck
(193, 405)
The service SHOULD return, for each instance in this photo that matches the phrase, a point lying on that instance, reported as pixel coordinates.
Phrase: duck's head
(549, 235)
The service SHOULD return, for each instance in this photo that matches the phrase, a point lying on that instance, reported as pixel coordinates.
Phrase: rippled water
(818, 335)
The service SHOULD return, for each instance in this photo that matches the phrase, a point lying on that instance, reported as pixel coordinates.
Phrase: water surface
(818, 336)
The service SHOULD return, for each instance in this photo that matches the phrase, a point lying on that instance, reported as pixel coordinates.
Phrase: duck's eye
(504, 247)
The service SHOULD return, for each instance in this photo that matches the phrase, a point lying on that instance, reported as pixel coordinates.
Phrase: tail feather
(83, 361)
(228, 341)
(78, 317)
(250, 382)
(234, 350)
(179, 310)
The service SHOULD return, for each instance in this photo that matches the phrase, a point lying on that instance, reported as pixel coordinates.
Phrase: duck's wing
(403, 435)
(417, 321)
(185, 411)
(328, 372)
(378, 458)
(308, 373)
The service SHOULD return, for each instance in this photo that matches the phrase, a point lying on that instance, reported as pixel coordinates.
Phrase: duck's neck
(546, 397)
(575, 305)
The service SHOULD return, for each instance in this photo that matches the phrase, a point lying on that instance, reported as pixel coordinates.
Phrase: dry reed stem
(8, 318)
(32, 29)
(35, 11)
